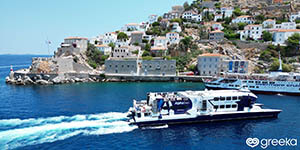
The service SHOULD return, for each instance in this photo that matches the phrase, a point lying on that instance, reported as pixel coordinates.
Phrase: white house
(124, 51)
(160, 41)
(105, 49)
(218, 16)
(281, 35)
(192, 15)
(294, 16)
(131, 27)
(227, 11)
(243, 19)
(110, 37)
(209, 10)
(152, 18)
(173, 37)
(217, 26)
(176, 27)
(285, 25)
(251, 31)
(269, 23)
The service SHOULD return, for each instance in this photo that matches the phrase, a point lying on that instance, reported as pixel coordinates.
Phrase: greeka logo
(252, 142)
(264, 143)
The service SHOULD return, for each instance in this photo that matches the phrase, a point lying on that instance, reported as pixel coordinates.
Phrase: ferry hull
(256, 91)
(211, 118)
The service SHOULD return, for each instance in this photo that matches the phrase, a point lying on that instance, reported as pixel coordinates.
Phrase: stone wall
(248, 44)
(120, 67)
(158, 67)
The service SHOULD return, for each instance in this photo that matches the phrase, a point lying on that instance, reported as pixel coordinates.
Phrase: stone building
(72, 45)
(140, 67)
(215, 64)
(216, 35)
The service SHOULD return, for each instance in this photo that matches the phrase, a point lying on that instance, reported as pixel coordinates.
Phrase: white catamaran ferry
(272, 83)
(197, 106)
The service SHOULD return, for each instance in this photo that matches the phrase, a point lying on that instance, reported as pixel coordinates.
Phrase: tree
(155, 24)
(112, 45)
(147, 47)
(159, 18)
(179, 20)
(227, 20)
(275, 66)
(122, 36)
(241, 25)
(260, 17)
(267, 36)
(293, 44)
(238, 12)
(186, 6)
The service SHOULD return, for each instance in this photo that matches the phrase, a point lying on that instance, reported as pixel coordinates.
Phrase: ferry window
(251, 86)
(234, 106)
(250, 81)
(257, 86)
(237, 85)
(240, 97)
(146, 114)
(222, 106)
(228, 98)
(222, 98)
(234, 98)
(245, 81)
(227, 106)
(215, 107)
(138, 115)
(217, 98)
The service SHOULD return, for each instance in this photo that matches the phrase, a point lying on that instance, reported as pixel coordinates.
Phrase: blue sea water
(92, 116)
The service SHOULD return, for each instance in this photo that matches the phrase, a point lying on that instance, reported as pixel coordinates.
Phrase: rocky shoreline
(17, 78)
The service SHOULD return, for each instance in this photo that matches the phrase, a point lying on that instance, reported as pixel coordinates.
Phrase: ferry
(161, 109)
(276, 82)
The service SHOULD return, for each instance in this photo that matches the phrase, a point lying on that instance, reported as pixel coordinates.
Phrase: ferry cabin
(193, 103)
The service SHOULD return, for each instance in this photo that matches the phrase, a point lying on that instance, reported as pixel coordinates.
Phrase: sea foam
(19, 133)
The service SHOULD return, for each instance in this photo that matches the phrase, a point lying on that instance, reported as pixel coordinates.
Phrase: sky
(25, 25)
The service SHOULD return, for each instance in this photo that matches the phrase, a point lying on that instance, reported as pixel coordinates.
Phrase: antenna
(280, 63)
(48, 46)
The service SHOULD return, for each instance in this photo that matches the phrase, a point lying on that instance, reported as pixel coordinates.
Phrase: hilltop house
(159, 47)
(251, 31)
(72, 45)
(285, 25)
(269, 23)
(191, 15)
(243, 19)
(152, 18)
(294, 16)
(173, 38)
(176, 12)
(110, 37)
(227, 11)
(105, 49)
(218, 17)
(124, 51)
(136, 37)
(131, 27)
(216, 35)
(281, 35)
(176, 27)
(217, 26)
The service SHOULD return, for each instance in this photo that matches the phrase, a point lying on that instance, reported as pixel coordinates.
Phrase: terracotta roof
(211, 54)
(161, 37)
(137, 32)
(76, 38)
(269, 20)
(288, 30)
(250, 25)
(245, 16)
(217, 31)
(158, 48)
(102, 45)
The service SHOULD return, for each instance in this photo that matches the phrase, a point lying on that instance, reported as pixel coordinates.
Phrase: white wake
(18, 133)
